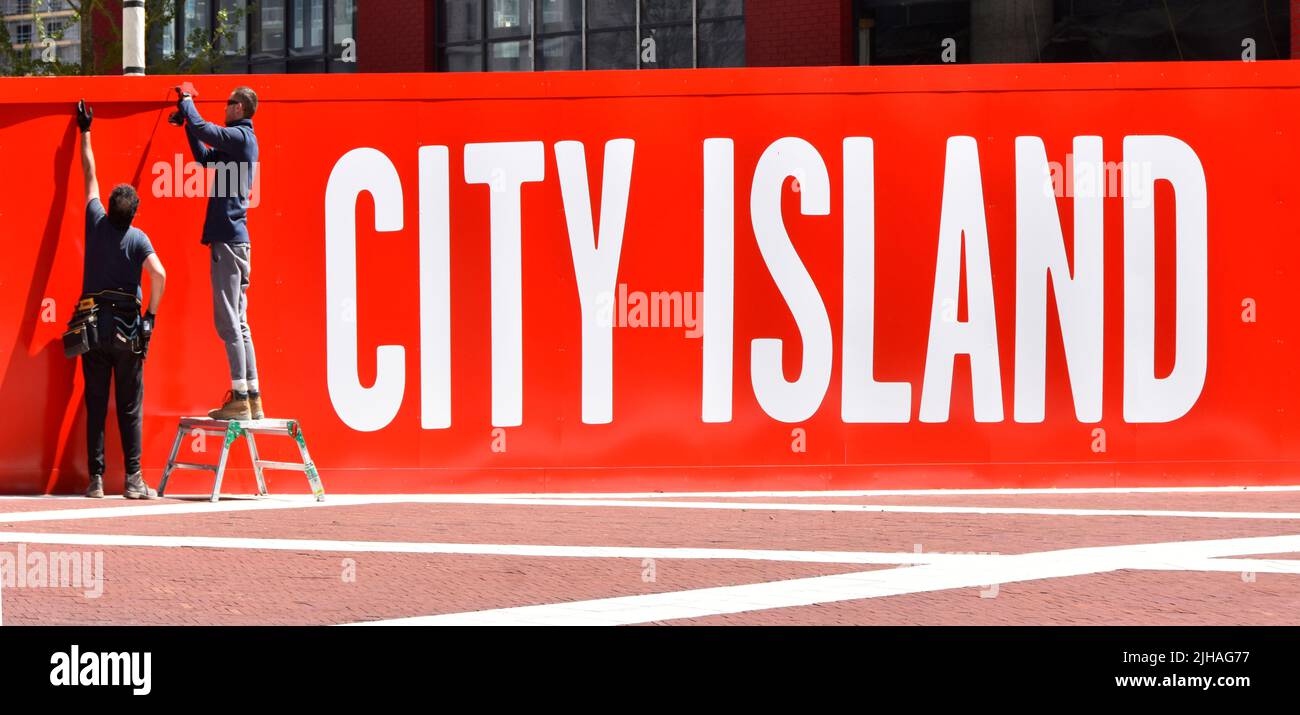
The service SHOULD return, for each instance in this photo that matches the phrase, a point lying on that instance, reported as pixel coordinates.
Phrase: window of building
(236, 46)
(943, 31)
(273, 36)
(23, 33)
(525, 35)
(1134, 30)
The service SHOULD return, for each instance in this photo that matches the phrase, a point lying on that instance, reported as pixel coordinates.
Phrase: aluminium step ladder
(231, 430)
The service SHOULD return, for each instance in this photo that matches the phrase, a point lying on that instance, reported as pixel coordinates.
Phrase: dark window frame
(534, 36)
(251, 62)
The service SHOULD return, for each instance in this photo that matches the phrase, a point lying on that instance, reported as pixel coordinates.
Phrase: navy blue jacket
(232, 150)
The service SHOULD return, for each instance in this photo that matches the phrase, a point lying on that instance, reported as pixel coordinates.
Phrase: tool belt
(109, 319)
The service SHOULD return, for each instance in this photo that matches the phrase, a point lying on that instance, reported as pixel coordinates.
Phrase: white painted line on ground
(204, 507)
(800, 494)
(1228, 565)
(160, 509)
(909, 492)
(1174, 563)
(791, 593)
(881, 508)
(417, 547)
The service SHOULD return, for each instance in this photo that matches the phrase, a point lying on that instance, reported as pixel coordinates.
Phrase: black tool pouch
(83, 330)
(122, 329)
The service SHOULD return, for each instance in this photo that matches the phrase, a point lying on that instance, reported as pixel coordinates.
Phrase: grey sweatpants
(230, 269)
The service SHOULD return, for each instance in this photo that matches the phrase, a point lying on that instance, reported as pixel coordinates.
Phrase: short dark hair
(247, 99)
(122, 205)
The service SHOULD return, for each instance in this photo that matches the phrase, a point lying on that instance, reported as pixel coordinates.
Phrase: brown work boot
(235, 408)
(96, 488)
(137, 489)
(255, 405)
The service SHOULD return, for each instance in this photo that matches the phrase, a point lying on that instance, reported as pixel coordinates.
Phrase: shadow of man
(39, 382)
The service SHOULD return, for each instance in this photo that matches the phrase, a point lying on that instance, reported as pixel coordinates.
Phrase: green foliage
(204, 51)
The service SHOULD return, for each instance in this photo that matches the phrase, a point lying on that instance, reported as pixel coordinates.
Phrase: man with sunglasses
(232, 151)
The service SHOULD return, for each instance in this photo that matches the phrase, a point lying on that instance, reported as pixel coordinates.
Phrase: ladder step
(291, 466)
(191, 465)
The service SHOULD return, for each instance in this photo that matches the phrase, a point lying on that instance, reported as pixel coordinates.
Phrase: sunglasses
(231, 101)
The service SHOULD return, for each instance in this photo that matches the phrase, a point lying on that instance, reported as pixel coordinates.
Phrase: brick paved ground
(245, 582)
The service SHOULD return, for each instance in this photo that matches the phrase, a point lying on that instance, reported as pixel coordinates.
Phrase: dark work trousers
(125, 370)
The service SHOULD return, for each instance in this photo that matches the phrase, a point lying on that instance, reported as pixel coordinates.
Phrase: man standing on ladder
(116, 254)
(232, 151)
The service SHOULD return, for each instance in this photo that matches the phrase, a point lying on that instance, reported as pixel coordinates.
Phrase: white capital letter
(361, 408)
(962, 214)
(1040, 253)
(1148, 159)
(505, 166)
(719, 278)
(862, 398)
(595, 261)
(791, 401)
(435, 288)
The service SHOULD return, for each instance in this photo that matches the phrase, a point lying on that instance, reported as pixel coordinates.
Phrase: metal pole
(133, 37)
(695, 33)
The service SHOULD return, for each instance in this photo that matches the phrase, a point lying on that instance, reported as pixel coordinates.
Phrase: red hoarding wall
(1168, 360)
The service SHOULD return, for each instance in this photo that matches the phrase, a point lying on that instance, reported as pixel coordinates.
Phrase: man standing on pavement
(232, 151)
(116, 254)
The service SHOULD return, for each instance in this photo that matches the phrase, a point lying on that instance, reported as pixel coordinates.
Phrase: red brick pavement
(171, 586)
(699, 528)
(1122, 598)
(242, 586)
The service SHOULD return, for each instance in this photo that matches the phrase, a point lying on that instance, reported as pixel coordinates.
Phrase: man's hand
(183, 92)
(85, 115)
(146, 333)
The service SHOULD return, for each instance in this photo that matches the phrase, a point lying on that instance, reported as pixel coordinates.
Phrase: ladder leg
(257, 467)
(171, 460)
(232, 433)
(313, 478)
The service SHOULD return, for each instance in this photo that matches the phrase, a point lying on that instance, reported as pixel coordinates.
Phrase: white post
(133, 37)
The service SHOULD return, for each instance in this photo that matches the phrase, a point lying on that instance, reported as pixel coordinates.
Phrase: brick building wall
(398, 35)
(799, 32)
(395, 36)
(1295, 29)
(101, 38)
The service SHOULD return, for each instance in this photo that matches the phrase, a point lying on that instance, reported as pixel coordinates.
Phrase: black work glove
(146, 333)
(177, 118)
(85, 115)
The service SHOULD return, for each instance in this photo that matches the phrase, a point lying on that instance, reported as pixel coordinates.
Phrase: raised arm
(85, 115)
(199, 130)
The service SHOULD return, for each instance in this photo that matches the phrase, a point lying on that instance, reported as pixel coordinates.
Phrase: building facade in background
(268, 36)
(538, 35)
(309, 36)
(47, 29)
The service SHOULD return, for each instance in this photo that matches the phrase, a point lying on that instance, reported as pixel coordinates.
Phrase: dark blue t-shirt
(114, 258)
